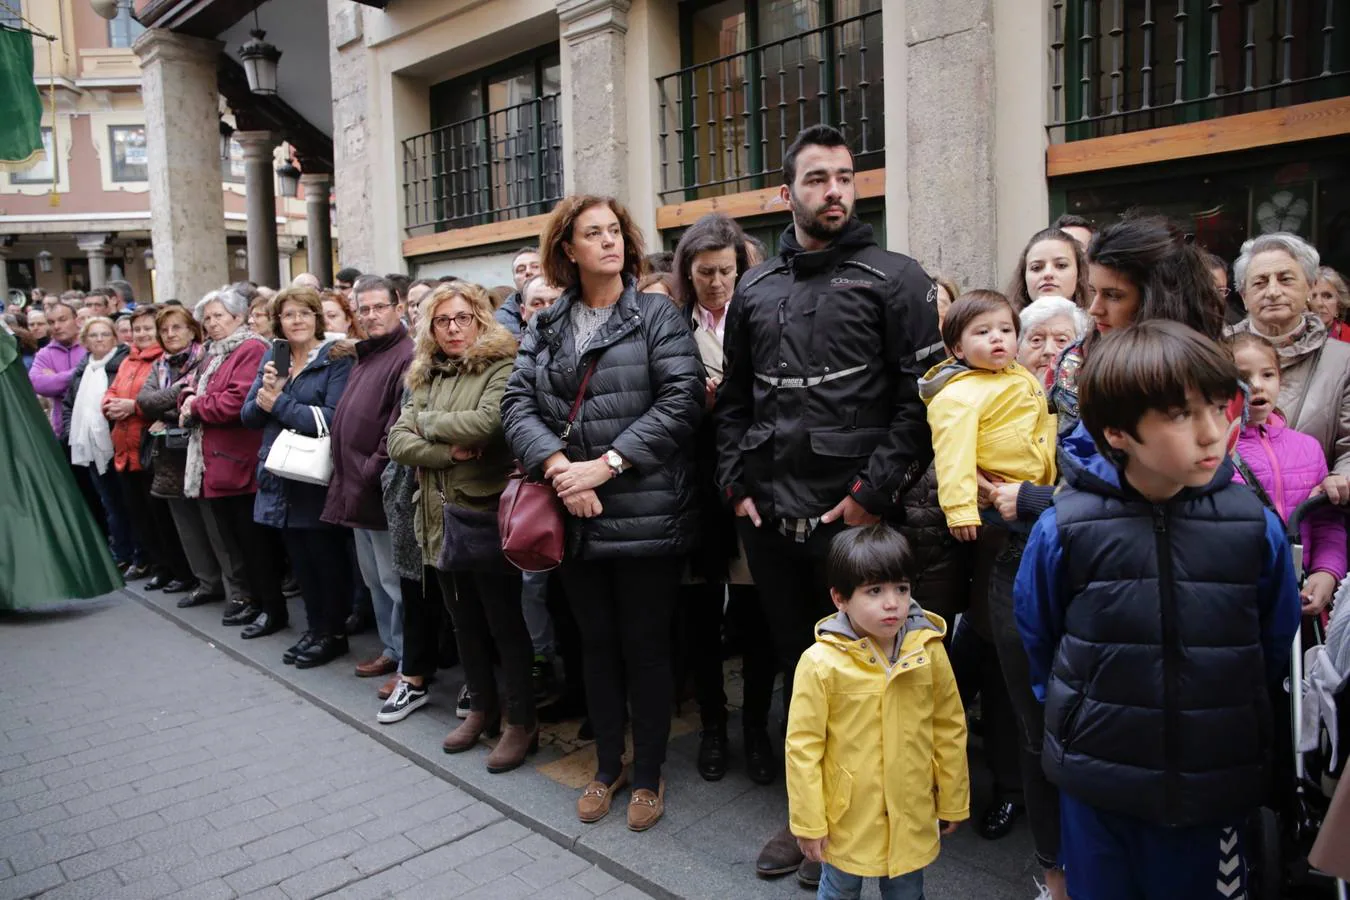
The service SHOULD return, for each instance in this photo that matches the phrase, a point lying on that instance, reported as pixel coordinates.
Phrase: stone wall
(351, 159)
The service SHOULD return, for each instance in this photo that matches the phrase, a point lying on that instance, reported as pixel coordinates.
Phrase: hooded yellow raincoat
(876, 750)
(995, 421)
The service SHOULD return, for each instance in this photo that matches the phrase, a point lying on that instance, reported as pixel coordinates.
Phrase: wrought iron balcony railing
(505, 164)
(1127, 65)
(725, 124)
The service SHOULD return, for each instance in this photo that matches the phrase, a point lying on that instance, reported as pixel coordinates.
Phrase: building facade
(98, 149)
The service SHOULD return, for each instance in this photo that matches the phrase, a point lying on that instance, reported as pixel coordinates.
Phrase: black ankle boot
(760, 763)
(712, 753)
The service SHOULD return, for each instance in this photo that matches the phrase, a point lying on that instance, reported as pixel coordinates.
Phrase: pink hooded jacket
(1289, 464)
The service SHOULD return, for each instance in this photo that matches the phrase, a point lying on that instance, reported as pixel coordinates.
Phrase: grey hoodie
(914, 619)
(940, 376)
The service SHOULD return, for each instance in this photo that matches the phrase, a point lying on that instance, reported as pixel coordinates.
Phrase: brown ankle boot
(517, 742)
(468, 732)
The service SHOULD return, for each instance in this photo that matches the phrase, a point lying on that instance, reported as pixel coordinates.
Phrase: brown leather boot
(517, 742)
(469, 731)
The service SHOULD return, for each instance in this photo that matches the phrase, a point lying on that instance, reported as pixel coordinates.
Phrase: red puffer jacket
(126, 433)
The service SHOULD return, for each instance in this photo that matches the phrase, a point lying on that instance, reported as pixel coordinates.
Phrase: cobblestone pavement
(137, 762)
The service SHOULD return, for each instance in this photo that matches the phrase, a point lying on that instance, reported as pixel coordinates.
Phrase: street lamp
(241, 258)
(260, 61)
(149, 257)
(288, 178)
(226, 139)
(45, 261)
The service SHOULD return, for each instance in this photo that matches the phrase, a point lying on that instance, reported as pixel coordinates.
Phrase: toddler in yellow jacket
(987, 412)
(876, 736)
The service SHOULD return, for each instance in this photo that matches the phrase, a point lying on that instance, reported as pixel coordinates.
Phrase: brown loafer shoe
(645, 808)
(593, 804)
(374, 668)
(387, 689)
(780, 856)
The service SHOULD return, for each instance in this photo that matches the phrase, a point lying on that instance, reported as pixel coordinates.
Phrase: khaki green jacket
(455, 404)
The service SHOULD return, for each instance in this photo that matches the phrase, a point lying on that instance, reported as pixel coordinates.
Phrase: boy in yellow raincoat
(876, 738)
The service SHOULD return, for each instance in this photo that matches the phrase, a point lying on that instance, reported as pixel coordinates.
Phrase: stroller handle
(1302, 511)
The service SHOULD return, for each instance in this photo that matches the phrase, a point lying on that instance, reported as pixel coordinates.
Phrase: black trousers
(425, 616)
(85, 482)
(154, 527)
(793, 591)
(701, 613)
(978, 674)
(1041, 797)
(259, 545)
(319, 563)
(624, 609)
(486, 609)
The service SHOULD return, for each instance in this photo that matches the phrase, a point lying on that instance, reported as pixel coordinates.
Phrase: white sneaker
(462, 706)
(1044, 891)
(405, 699)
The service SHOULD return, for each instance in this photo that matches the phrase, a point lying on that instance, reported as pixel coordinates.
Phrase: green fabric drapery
(20, 105)
(51, 550)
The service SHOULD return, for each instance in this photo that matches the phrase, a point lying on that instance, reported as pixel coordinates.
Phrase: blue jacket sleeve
(1038, 601)
(252, 415)
(1277, 594)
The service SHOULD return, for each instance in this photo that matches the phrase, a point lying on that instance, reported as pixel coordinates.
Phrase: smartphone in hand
(281, 357)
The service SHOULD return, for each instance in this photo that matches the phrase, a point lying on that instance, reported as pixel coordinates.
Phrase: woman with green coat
(450, 431)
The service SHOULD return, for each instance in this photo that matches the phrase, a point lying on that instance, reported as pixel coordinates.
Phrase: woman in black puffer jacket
(624, 471)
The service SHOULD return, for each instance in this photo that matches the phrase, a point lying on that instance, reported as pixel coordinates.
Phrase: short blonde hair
(96, 320)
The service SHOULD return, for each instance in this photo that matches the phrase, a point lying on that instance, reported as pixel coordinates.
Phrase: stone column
(352, 72)
(596, 138)
(950, 91)
(318, 218)
(261, 196)
(95, 247)
(187, 210)
(286, 247)
(5, 241)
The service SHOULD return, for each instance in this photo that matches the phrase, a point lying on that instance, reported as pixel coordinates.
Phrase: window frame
(113, 167)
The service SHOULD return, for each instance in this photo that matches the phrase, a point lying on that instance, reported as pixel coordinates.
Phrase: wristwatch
(614, 461)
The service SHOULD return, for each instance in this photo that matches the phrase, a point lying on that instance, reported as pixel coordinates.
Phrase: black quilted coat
(644, 401)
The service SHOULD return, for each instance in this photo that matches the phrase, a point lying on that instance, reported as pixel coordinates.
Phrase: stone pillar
(286, 247)
(352, 71)
(949, 115)
(261, 196)
(5, 241)
(318, 218)
(95, 247)
(187, 210)
(595, 151)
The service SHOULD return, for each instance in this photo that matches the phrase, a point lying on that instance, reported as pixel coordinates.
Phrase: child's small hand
(1317, 593)
(965, 532)
(946, 828)
(813, 849)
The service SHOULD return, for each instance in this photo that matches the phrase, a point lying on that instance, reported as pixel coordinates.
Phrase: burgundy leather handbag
(530, 516)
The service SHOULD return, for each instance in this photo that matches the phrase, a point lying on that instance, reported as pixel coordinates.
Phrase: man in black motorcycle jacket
(819, 421)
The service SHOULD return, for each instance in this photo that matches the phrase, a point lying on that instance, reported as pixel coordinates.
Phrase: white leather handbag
(300, 457)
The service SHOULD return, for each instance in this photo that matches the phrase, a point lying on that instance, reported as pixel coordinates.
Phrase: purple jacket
(50, 373)
(1289, 464)
(369, 407)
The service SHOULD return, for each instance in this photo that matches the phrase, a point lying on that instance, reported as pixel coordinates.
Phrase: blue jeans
(837, 885)
(125, 547)
(375, 556)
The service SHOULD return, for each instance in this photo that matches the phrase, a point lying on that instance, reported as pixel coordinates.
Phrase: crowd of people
(867, 479)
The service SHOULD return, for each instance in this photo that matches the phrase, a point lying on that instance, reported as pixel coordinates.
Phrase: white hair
(233, 301)
(306, 279)
(1303, 253)
(1043, 309)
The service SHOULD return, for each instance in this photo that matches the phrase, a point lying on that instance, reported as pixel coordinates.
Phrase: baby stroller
(1281, 838)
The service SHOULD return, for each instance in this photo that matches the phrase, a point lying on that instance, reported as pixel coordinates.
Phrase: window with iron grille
(495, 148)
(756, 72)
(1128, 65)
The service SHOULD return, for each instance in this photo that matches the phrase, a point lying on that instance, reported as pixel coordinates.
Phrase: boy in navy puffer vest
(1157, 602)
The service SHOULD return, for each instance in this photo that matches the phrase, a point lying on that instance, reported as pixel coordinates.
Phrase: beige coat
(1315, 388)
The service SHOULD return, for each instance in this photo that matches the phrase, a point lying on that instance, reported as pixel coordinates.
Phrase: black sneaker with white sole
(405, 699)
(462, 705)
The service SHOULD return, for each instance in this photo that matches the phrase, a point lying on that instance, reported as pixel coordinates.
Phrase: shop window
(128, 152)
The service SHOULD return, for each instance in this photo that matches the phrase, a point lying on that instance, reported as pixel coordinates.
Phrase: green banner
(20, 105)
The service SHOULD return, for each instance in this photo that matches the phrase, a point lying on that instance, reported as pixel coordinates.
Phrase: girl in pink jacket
(1287, 466)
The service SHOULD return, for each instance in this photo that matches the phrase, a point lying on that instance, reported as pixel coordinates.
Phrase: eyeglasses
(297, 315)
(378, 309)
(442, 323)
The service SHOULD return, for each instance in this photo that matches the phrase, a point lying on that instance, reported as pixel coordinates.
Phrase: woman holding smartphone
(301, 379)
